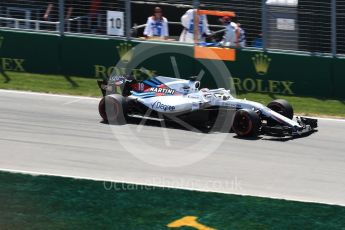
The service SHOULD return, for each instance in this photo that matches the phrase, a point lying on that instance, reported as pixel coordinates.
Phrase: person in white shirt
(157, 25)
(242, 39)
(187, 21)
(232, 33)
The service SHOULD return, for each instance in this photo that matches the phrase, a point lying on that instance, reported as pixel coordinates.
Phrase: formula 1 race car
(170, 98)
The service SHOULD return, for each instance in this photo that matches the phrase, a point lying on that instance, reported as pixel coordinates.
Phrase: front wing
(308, 126)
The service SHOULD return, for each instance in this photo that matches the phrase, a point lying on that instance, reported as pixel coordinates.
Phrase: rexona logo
(160, 106)
(262, 63)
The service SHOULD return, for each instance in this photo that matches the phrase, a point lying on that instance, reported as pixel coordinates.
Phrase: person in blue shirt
(258, 42)
(157, 26)
(187, 21)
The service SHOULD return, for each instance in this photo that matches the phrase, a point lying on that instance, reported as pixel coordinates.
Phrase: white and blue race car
(182, 100)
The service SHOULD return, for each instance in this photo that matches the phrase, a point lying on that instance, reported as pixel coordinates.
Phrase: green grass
(88, 87)
(304, 105)
(31, 202)
(50, 84)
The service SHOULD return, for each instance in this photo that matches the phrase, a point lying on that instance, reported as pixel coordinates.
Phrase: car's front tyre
(282, 107)
(246, 123)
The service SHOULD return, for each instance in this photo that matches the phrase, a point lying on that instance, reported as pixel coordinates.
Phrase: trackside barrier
(26, 52)
(253, 71)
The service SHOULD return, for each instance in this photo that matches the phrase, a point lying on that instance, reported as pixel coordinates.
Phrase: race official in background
(232, 33)
(242, 39)
(187, 21)
(52, 11)
(157, 26)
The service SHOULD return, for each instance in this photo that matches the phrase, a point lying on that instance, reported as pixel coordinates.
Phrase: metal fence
(313, 26)
(63, 16)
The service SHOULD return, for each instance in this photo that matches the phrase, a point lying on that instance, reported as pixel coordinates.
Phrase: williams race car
(179, 99)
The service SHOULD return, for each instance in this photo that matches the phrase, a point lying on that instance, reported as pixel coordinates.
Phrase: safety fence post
(62, 17)
(334, 28)
(128, 17)
(264, 24)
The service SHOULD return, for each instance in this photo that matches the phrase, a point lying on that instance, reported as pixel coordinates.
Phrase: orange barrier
(214, 53)
(217, 13)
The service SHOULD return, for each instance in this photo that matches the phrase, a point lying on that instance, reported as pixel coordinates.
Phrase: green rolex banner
(29, 52)
(1, 41)
(253, 70)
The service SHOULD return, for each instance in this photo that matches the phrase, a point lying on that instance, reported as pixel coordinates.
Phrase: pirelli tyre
(282, 107)
(247, 123)
(113, 109)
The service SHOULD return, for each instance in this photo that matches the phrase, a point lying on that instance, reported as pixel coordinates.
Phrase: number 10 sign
(115, 23)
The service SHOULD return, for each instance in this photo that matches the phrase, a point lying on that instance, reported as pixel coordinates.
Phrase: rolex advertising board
(339, 78)
(100, 58)
(29, 52)
(278, 73)
(251, 70)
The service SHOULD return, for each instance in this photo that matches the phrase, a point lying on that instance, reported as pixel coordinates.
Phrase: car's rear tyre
(246, 123)
(113, 109)
(282, 107)
(101, 109)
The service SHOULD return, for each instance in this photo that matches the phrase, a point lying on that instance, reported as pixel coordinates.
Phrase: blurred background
(312, 26)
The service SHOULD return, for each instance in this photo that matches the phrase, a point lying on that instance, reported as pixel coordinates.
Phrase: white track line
(95, 98)
(48, 94)
(33, 173)
(329, 119)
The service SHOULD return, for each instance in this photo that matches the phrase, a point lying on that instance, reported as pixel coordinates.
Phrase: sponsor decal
(232, 105)
(162, 90)
(195, 96)
(208, 96)
(160, 106)
(118, 80)
(195, 106)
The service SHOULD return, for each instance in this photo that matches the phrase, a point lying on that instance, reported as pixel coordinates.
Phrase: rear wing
(115, 84)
